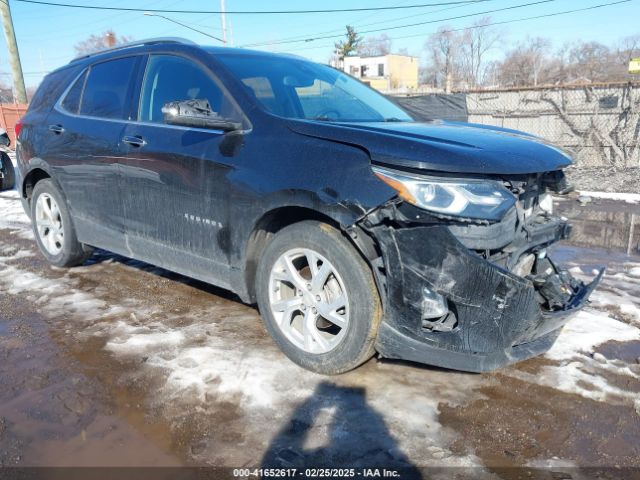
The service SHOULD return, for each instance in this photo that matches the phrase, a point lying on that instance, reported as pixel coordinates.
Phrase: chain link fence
(598, 124)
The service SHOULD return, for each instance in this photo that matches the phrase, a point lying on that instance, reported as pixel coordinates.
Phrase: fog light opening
(434, 305)
(436, 316)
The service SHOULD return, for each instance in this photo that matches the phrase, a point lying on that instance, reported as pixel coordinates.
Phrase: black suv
(353, 227)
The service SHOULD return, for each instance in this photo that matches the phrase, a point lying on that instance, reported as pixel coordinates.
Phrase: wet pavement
(121, 363)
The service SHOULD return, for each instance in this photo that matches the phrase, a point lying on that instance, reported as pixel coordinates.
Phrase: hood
(443, 146)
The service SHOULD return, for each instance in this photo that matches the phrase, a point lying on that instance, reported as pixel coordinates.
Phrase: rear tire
(318, 298)
(9, 175)
(53, 227)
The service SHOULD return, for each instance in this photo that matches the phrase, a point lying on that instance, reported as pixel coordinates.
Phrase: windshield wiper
(393, 119)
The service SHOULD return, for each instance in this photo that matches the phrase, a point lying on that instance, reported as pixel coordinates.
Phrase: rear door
(84, 132)
(174, 177)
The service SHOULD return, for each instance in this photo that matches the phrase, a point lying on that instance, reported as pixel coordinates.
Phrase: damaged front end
(467, 294)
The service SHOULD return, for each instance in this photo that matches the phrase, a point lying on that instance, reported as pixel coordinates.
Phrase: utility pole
(223, 21)
(14, 56)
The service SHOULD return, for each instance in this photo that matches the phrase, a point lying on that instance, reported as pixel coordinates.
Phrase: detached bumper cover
(499, 316)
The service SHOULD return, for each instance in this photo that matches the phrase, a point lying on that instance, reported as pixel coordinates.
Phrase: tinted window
(51, 88)
(71, 102)
(260, 88)
(169, 79)
(323, 100)
(107, 87)
(304, 89)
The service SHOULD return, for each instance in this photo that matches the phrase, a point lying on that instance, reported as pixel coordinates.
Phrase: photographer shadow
(336, 428)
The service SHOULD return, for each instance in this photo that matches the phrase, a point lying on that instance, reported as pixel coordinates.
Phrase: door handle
(57, 129)
(134, 141)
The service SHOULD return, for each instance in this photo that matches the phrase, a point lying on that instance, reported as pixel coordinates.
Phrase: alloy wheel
(309, 300)
(49, 224)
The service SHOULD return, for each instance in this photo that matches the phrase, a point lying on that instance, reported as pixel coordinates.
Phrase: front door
(173, 177)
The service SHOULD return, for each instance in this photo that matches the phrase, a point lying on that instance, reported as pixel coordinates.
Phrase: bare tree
(6, 95)
(99, 42)
(461, 60)
(629, 47)
(526, 64)
(375, 46)
(626, 49)
(476, 42)
(591, 61)
(442, 50)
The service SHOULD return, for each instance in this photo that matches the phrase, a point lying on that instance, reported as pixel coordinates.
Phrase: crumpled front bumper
(500, 319)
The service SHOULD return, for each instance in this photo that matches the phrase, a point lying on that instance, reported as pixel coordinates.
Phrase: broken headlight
(482, 199)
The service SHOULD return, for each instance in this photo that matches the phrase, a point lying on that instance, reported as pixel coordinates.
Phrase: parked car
(7, 172)
(355, 229)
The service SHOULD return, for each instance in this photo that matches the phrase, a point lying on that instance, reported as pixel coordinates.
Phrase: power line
(513, 7)
(341, 30)
(253, 12)
(185, 26)
(503, 22)
(123, 18)
(362, 18)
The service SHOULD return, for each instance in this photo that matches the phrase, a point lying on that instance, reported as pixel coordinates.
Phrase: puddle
(628, 352)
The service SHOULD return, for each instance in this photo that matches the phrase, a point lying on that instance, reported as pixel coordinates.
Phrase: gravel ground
(121, 363)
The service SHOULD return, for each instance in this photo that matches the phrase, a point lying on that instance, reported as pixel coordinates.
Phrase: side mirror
(197, 113)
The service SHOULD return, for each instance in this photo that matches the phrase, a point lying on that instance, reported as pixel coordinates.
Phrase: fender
(36, 163)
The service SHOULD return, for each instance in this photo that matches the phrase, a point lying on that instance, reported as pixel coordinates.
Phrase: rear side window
(51, 88)
(71, 102)
(107, 89)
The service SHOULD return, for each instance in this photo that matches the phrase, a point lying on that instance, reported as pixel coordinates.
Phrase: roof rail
(137, 43)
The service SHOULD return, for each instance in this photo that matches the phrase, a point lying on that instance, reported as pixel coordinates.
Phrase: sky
(46, 34)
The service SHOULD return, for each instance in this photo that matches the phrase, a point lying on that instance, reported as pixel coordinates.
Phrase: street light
(150, 14)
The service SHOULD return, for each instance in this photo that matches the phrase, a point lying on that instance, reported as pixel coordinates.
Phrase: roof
(137, 43)
(214, 50)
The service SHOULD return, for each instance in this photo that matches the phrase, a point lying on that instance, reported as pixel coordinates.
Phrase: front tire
(318, 298)
(53, 228)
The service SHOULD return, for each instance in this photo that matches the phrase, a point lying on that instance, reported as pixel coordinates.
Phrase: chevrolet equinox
(355, 228)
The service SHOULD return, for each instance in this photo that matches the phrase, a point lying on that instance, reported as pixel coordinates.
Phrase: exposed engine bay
(519, 242)
(473, 294)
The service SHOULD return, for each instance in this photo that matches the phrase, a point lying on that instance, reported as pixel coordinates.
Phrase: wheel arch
(270, 223)
(38, 171)
(30, 179)
(275, 219)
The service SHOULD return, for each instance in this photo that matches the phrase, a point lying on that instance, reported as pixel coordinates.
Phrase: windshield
(296, 88)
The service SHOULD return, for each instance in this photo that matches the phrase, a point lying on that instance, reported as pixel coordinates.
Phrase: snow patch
(587, 330)
(200, 366)
(11, 212)
(578, 372)
(10, 253)
(623, 197)
(56, 296)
